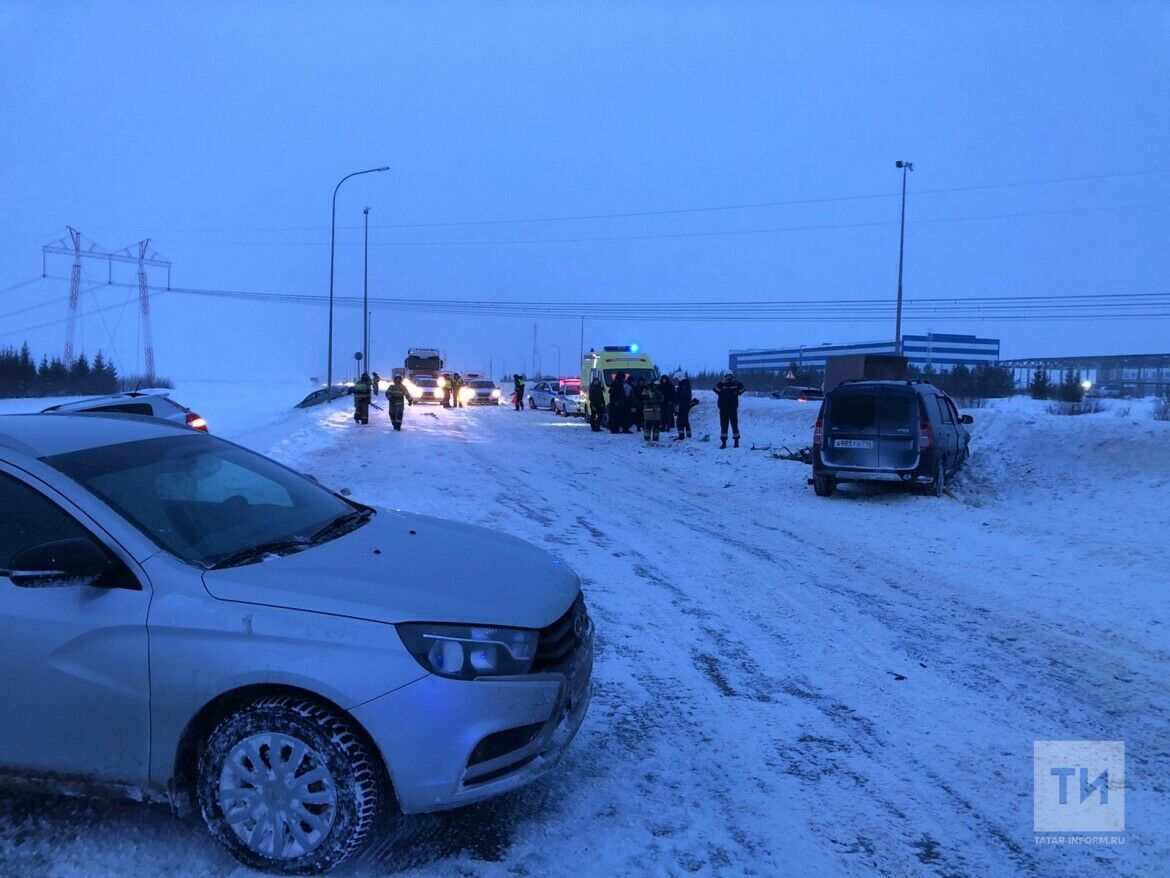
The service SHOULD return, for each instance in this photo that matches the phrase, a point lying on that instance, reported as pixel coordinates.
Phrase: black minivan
(888, 431)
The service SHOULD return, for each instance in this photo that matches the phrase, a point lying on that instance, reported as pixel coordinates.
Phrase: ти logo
(1078, 786)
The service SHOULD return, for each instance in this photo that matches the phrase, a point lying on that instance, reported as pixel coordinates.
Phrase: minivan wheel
(288, 786)
(824, 486)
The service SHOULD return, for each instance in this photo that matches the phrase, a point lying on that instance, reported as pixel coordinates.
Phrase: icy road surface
(784, 684)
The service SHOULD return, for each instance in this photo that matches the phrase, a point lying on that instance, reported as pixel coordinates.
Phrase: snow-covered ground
(785, 684)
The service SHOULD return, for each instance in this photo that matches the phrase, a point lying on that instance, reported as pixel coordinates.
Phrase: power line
(751, 205)
(1065, 306)
(682, 235)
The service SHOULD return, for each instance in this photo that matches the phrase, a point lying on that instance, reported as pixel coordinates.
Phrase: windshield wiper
(342, 524)
(256, 553)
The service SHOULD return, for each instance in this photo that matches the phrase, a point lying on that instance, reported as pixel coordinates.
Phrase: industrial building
(938, 350)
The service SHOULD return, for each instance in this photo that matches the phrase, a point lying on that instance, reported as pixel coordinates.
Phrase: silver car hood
(402, 567)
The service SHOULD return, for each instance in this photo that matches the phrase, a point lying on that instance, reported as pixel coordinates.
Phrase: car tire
(824, 486)
(245, 768)
(532, 403)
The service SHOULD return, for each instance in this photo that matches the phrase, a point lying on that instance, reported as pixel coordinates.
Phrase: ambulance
(614, 360)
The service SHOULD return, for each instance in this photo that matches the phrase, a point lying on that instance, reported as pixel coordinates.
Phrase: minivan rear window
(862, 411)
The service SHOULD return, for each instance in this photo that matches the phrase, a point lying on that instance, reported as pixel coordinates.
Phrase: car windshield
(424, 382)
(861, 411)
(202, 499)
(483, 385)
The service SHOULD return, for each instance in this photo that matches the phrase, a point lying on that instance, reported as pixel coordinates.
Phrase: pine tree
(1040, 386)
(1070, 388)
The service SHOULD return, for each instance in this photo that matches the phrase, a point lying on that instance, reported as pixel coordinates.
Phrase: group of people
(661, 406)
(397, 398)
(652, 408)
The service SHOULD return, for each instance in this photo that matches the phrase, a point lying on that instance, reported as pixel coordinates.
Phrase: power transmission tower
(138, 254)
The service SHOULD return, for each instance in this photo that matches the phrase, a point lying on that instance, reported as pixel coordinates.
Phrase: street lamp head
(386, 168)
(909, 166)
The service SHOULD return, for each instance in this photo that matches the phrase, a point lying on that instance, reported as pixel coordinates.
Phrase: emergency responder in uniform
(685, 401)
(638, 406)
(596, 404)
(375, 384)
(518, 396)
(651, 410)
(666, 386)
(445, 380)
(728, 390)
(456, 386)
(397, 399)
(361, 399)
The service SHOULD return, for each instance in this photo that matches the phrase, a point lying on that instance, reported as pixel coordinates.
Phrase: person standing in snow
(618, 404)
(728, 392)
(651, 410)
(456, 389)
(634, 402)
(684, 400)
(397, 399)
(518, 395)
(638, 406)
(361, 399)
(596, 404)
(375, 384)
(667, 389)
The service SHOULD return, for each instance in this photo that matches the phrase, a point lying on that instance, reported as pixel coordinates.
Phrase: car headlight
(466, 652)
(496, 394)
(415, 392)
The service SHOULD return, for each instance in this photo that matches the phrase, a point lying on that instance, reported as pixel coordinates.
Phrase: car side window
(30, 519)
(954, 410)
(944, 410)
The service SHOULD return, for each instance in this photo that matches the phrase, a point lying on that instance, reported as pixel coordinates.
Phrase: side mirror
(966, 419)
(62, 563)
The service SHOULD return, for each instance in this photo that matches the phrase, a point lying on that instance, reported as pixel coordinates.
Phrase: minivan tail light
(818, 432)
(925, 437)
(195, 422)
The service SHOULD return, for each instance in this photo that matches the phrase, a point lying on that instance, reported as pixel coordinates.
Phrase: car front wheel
(824, 486)
(288, 786)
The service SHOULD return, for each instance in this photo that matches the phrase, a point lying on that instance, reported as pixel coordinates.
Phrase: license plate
(853, 443)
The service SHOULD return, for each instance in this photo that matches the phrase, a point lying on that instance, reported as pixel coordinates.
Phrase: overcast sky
(219, 130)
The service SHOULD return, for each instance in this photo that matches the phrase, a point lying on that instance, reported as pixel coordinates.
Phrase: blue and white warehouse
(939, 350)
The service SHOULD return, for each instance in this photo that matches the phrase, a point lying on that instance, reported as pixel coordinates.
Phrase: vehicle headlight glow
(466, 394)
(437, 393)
(415, 392)
(465, 652)
(496, 393)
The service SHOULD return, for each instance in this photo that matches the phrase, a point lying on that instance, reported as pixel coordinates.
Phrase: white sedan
(567, 403)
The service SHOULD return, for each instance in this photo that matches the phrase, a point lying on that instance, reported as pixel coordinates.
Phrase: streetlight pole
(366, 292)
(906, 168)
(332, 261)
(558, 347)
